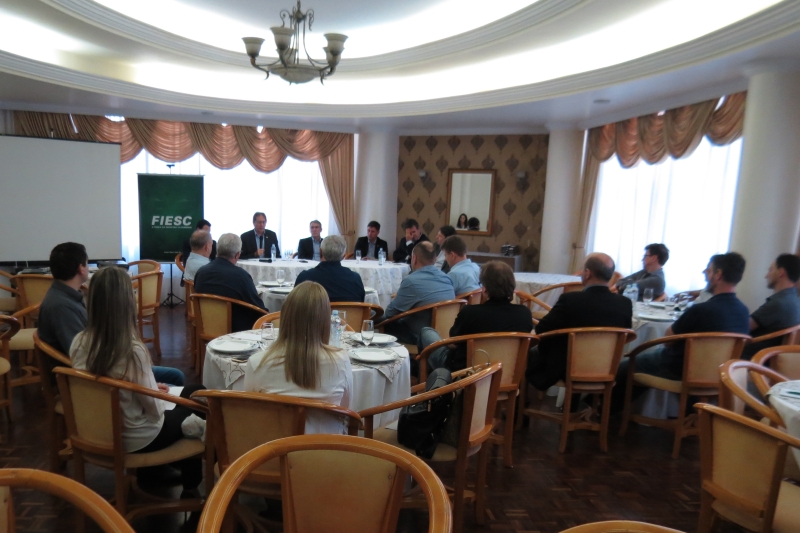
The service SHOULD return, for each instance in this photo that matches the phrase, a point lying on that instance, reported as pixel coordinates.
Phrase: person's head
(304, 334)
(203, 224)
(445, 232)
(462, 220)
(316, 228)
(111, 331)
(655, 256)
(373, 230)
(474, 224)
(784, 272)
(422, 255)
(201, 242)
(229, 247)
(411, 228)
(455, 250)
(498, 280)
(259, 222)
(598, 269)
(69, 261)
(724, 271)
(332, 248)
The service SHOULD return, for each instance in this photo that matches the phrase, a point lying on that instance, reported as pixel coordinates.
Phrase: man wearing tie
(258, 242)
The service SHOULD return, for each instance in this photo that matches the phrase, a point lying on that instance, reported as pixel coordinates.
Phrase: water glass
(287, 254)
(358, 256)
(367, 332)
(280, 276)
(647, 297)
(343, 324)
(683, 303)
(267, 332)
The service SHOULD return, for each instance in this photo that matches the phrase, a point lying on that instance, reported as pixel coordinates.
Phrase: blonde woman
(110, 346)
(301, 363)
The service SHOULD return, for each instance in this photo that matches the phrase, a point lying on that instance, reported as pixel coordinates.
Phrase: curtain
(337, 174)
(675, 133)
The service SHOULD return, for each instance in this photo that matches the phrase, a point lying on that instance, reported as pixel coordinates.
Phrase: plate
(373, 355)
(228, 345)
(369, 289)
(281, 290)
(379, 338)
(655, 317)
(658, 305)
(269, 283)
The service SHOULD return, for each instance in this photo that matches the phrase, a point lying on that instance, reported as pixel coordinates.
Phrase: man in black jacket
(341, 283)
(308, 248)
(371, 244)
(404, 248)
(258, 241)
(594, 306)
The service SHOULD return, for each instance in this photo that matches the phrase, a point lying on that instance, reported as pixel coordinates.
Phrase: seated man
(782, 309)
(258, 242)
(308, 248)
(594, 306)
(404, 248)
(201, 244)
(497, 314)
(441, 260)
(464, 273)
(223, 278)
(652, 275)
(186, 249)
(369, 245)
(425, 285)
(63, 312)
(342, 284)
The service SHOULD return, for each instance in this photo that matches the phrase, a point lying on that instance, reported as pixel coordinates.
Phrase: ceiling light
(288, 43)
(602, 101)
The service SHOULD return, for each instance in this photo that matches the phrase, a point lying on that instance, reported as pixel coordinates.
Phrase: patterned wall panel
(517, 205)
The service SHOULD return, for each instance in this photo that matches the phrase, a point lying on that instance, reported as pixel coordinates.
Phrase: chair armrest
(428, 307)
(773, 335)
(135, 387)
(6, 288)
(28, 310)
(251, 307)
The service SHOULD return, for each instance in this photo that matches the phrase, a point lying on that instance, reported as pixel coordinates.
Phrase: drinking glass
(683, 303)
(358, 256)
(287, 255)
(280, 276)
(267, 332)
(367, 332)
(648, 296)
(343, 325)
(670, 303)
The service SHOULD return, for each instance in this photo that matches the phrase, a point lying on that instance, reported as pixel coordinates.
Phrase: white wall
(377, 153)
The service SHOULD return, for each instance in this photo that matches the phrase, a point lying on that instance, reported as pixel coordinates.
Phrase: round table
(373, 385)
(274, 301)
(788, 407)
(654, 403)
(385, 279)
(531, 282)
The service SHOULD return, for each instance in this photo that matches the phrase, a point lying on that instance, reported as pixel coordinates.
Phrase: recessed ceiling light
(601, 101)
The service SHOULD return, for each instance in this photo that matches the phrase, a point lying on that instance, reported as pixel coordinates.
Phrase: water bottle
(632, 292)
(272, 252)
(381, 257)
(336, 331)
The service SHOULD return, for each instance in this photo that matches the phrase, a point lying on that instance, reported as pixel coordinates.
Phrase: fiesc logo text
(172, 221)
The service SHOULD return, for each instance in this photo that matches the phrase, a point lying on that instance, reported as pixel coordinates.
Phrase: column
(561, 199)
(6, 122)
(766, 216)
(377, 153)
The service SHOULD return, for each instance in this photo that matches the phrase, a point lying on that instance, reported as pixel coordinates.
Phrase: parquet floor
(545, 492)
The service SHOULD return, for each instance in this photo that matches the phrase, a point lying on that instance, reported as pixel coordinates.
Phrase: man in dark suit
(404, 248)
(222, 277)
(308, 248)
(594, 306)
(342, 284)
(371, 244)
(258, 241)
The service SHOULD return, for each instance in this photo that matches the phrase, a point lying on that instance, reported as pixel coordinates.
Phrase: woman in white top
(110, 346)
(301, 363)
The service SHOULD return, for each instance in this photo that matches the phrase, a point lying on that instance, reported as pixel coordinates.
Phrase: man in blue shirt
(425, 285)
(308, 248)
(652, 274)
(464, 273)
(342, 284)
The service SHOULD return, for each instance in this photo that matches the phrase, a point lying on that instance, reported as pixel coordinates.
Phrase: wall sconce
(423, 174)
(522, 175)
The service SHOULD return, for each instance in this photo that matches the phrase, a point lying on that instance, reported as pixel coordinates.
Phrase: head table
(385, 279)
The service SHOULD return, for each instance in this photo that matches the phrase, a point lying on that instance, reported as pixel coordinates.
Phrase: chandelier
(288, 42)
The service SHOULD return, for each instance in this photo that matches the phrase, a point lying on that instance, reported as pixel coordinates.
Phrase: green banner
(169, 208)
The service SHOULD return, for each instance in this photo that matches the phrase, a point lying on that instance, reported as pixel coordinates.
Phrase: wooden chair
(741, 465)
(571, 286)
(94, 427)
(188, 286)
(354, 483)
(661, 297)
(734, 396)
(47, 358)
(472, 297)
(784, 360)
(357, 312)
(272, 318)
(21, 340)
(213, 317)
(510, 349)
(9, 304)
(620, 526)
(479, 393)
(593, 356)
(178, 263)
(784, 337)
(350, 255)
(148, 303)
(32, 289)
(87, 501)
(145, 265)
(443, 315)
(537, 307)
(703, 355)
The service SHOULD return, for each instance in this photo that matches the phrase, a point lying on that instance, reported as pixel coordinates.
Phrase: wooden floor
(545, 492)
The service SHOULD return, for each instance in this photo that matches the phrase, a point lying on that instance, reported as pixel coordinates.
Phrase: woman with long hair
(110, 346)
(462, 221)
(301, 363)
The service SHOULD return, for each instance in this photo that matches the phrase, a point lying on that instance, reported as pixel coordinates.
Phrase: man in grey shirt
(201, 244)
(652, 275)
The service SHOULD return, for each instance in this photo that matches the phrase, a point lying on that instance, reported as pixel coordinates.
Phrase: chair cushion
(444, 452)
(787, 512)
(8, 305)
(182, 449)
(656, 382)
(22, 341)
(5, 366)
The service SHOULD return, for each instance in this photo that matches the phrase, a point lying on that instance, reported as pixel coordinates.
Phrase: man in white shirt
(464, 273)
(201, 244)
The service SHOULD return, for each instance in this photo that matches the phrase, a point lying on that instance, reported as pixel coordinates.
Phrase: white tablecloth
(788, 408)
(384, 279)
(531, 282)
(371, 387)
(274, 301)
(653, 403)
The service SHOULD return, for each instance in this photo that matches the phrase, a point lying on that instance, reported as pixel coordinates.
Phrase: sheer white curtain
(291, 197)
(686, 204)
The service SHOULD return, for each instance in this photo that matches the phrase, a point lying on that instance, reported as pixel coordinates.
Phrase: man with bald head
(594, 306)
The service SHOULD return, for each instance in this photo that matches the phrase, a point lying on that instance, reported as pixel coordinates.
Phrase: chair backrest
(86, 500)
(472, 297)
(357, 312)
(10, 327)
(178, 262)
(571, 286)
(32, 287)
(335, 483)
(593, 354)
(733, 394)
(480, 401)
(784, 360)
(242, 421)
(742, 461)
(47, 358)
(145, 265)
(272, 318)
(188, 286)
(444, 315)
(149, 290)
(705, 352)
(213, 315)
(619, 526)
(510, 349)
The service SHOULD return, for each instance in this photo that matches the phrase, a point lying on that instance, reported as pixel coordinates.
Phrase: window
(291, 197)
(687, 204)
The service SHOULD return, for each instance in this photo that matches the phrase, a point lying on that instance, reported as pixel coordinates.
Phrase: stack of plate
(373, 355)
(379, 338)
(230, 347)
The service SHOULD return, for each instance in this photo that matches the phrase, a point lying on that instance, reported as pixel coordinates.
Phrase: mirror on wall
(470, 203)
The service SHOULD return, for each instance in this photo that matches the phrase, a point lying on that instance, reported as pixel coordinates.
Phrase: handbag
(420, 425)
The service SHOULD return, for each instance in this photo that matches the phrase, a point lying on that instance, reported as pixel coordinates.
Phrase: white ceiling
(541, 67)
